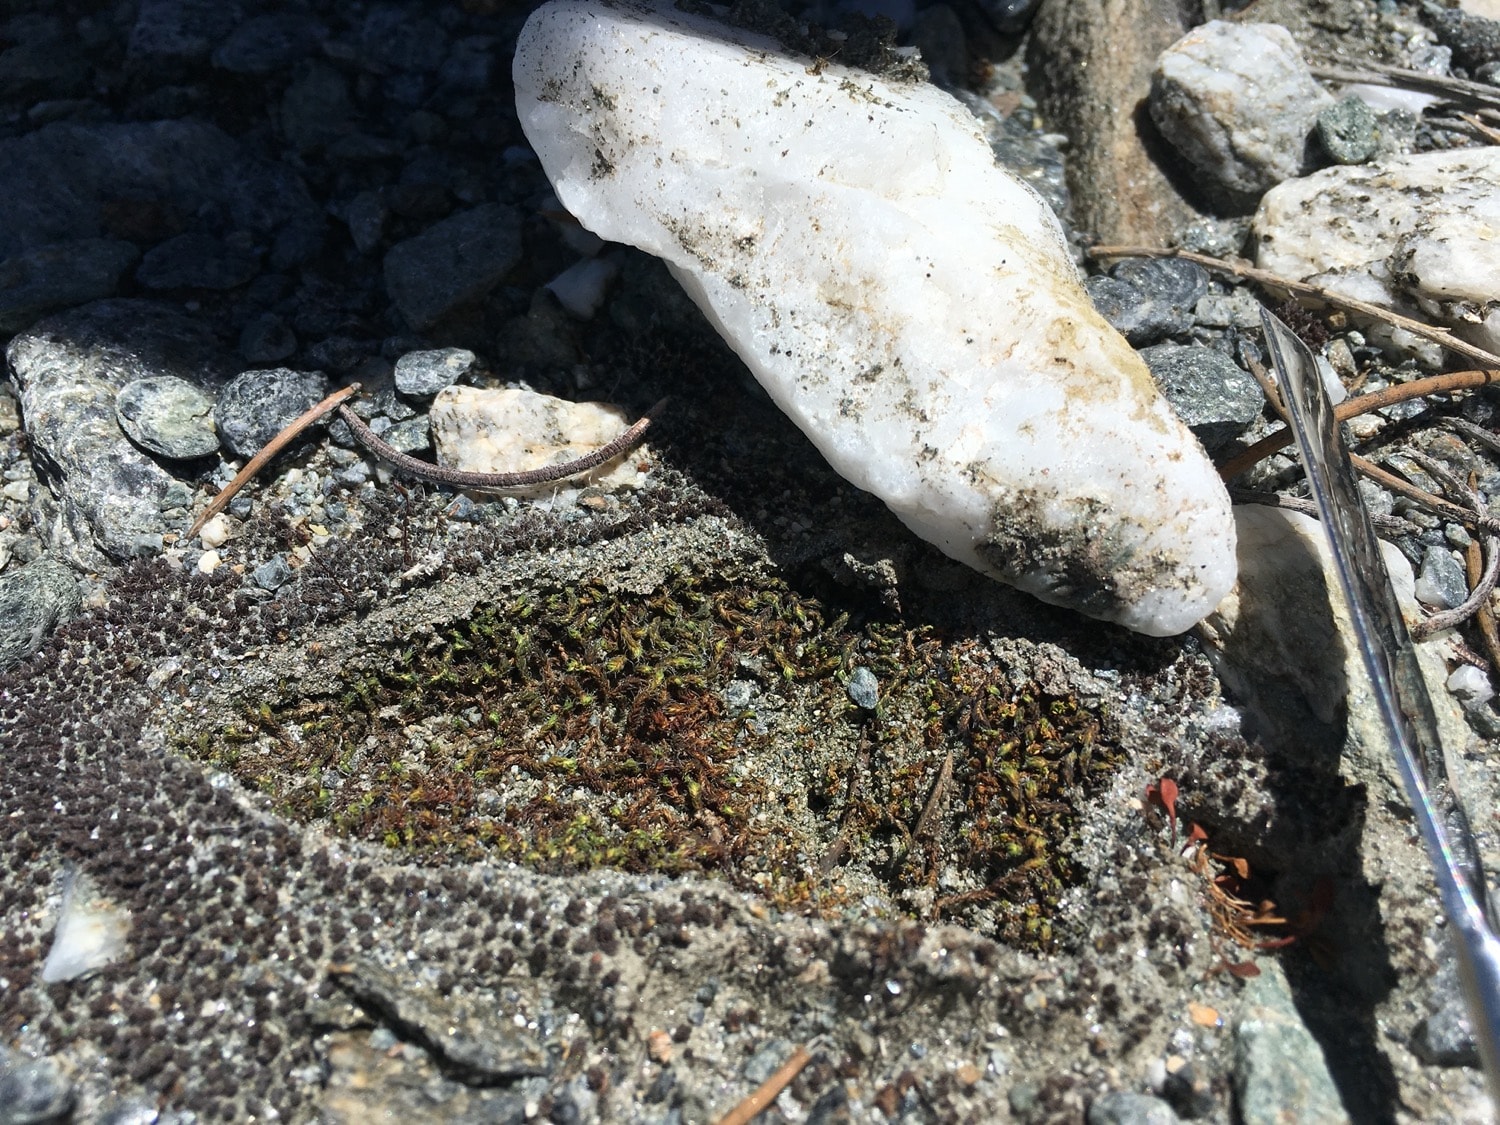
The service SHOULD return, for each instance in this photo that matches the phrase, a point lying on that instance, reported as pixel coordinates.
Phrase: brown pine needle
(1364, 404)
(1485, 615)
(769, 1090)
(269, 450)
(1441, 336)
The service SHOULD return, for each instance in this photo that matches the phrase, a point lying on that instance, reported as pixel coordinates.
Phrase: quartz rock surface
(483, 430)
(1419, 234)
(908, 304)
(1239, 103)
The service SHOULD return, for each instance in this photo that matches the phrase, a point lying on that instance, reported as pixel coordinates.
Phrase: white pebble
(215, 533)
(582, 286)
(1471, 687)
(208, 562)
(90, 933)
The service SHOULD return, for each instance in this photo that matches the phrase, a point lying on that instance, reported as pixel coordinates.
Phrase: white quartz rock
(908, 304)
(481, 430)
(1419, 234)
(1238, 101)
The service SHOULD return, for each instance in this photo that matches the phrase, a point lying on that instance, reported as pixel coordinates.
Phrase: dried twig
(1441, 336)
(769, 1090)
(1379, 74)
(1484, 616)
(1390, 525)
(1364, 404)
(1479, 596)
(287, 434)
(439, 474)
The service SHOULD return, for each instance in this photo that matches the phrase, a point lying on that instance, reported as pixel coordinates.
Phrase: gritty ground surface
(502, 813)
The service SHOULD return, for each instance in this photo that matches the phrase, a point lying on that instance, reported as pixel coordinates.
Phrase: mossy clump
(584, 727)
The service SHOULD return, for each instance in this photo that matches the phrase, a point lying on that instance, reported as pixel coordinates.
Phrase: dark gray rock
(197, 260)
(1349, 131)
(393, 38)
(183, 167)
(34, 600)
(1120, 1108)
(863, 689)
(1210, 392)
(267, 339)
(179, 31)
(273, 574)
(60, 275)
(1148, 300)
(1446, 1037)
(427, 372)
(257, 406)
(453, 263)
(1474, 40)
(366, 216)
(69, 369)
(168, 416)
(316, 108)
(270, 42)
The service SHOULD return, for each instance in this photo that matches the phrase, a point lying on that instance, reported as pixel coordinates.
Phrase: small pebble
(1216, 397)
(1349, 131)
(208, 562)
(273, 573)
(215, 533)
(167, 416)
(33, 601)
(1471, 687)
(32, 1091)
(257, 405)
(427, 372)
(1120, 1108)
(863, 688)
(1441, 583)
(267, 339)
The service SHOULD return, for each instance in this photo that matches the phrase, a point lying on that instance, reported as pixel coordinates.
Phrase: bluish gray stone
(1474, 40)
(169, 416)
(269, 42)
(273, 573)
(60, 275)
(425, 373)
(68, 369)
(1216, 397)
(316, 108)
(267, 339)
(1277, 1062)
(410, 436)
(187, 167)
(366, 216)
(453, 263)
(1121, 1108)
(1349, 131)
(1148, 300)
(1441, 583)
(258, 405)
(34, 600)
(863, 688)
(179, 31)
(197, 260)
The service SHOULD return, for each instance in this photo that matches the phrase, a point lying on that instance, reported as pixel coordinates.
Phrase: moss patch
(706, 728)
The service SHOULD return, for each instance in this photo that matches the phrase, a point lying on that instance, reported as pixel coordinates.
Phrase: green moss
(577, 728)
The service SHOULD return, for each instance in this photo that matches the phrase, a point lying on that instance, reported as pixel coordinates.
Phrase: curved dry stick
(1351, 408)
(1478, 597)
(1440, 336)
(439, 474)
(267, 451)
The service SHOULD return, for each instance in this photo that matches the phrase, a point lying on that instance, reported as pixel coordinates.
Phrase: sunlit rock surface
(909, 305)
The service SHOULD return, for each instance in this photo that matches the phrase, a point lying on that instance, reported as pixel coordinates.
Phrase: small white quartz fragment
(1419, 234)
(90, 932)
(508, 431)
(911, 306)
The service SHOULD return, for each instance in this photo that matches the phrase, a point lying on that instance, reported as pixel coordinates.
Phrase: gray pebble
(267, 339)
(1210, 392)
(766, 1061)
(317, 108)
(259, 404)
(32, 1091)
(863, 688)
(1349, 131)
(1277, 1062)
(1474, 40)
(168, 416)
(273, 573)
(1441, 583)
(427, 372)
(33, 601)
(366, 215)
(178, 30)
(1120, 1108)
(196, 260)
(453, 263)
(410, 436)
(1446, 1037)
